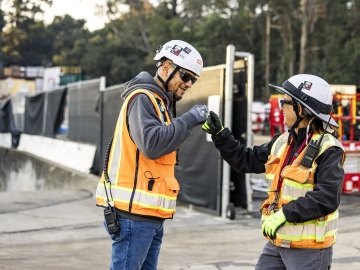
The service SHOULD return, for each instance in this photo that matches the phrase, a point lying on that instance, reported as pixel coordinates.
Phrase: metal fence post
(230, 56)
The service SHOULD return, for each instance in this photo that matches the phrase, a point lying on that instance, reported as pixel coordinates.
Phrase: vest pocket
(156, 196)
(272, 164)
(172, 184)
(320, 231)
(296, 174)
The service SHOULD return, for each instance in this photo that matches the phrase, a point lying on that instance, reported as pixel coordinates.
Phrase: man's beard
(177, 97)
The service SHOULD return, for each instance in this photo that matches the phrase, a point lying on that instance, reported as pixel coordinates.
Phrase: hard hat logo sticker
(187, 50)
(176, 50)
(307, 85)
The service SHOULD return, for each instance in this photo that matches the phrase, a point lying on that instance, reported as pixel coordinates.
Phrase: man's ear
(166, 66)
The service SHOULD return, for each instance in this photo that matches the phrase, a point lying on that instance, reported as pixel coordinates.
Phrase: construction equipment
(347, 114)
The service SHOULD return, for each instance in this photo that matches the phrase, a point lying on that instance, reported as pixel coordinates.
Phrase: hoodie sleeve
(148, 132)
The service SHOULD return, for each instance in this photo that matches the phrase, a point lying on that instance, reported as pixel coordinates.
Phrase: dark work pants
(277, 258)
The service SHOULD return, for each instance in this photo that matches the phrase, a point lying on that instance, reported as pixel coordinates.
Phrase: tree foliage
(313, 36)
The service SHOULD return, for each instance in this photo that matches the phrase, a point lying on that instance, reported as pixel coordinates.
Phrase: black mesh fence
(34, 114)
(7, 122)
(44, 112)
(83, 111)
(110, 106)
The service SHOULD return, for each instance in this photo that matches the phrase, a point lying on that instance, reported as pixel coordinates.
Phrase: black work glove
(213, 124)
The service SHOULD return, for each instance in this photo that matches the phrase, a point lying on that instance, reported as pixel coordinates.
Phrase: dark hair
(317, 126)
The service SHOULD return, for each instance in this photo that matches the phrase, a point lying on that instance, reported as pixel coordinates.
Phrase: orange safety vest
(139, 185)
(297, 181)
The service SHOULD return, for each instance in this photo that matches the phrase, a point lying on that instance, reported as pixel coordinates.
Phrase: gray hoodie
(151, 136)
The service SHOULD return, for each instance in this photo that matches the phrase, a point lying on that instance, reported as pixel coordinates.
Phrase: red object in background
(258, 124)
(351, 183)
(276, 116)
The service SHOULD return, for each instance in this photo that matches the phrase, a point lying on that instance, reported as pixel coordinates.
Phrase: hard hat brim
(323, 117)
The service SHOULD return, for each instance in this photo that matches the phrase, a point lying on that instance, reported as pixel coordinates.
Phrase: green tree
(25, 40)
(23, 11)
(110, 54)
(69, 40)
(335, 45)
(286, 37)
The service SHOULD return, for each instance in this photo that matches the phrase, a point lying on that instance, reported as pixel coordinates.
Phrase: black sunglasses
(185, 77)
(286, 101)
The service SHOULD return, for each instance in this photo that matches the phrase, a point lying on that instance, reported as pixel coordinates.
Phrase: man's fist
(200, 112)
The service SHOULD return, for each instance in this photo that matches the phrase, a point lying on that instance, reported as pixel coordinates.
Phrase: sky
(78, 9)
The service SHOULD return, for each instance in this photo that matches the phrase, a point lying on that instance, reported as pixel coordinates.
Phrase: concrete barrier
(75, 155)
(21, 171)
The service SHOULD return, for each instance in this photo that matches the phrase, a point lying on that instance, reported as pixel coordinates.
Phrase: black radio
(310, 154)
(111, 221)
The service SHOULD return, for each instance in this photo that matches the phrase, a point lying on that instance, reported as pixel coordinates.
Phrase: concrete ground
(62, 229)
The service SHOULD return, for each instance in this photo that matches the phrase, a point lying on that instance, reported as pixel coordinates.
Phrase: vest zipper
(135, 179)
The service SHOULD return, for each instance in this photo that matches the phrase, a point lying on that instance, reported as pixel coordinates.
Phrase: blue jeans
(137, 246)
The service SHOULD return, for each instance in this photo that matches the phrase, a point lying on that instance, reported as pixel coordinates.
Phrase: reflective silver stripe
(115, 152)
(141, 197)
(269, 177)
(154, 201)
(329, 141)
(269, 185)
(119, 194)
(312, 230)
(285, 243)
(280, 143)
(292, 190)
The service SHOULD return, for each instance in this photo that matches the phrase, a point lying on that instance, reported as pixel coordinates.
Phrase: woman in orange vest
(304, 170)
(138, 188)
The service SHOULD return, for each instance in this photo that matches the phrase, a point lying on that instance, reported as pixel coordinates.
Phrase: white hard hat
(313, 92)
(182, 54)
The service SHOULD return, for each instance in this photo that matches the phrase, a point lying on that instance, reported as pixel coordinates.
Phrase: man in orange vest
(138, 189)
(304, 170)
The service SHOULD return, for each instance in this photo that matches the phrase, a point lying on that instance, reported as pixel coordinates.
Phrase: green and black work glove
(272, 223)
(212, 124)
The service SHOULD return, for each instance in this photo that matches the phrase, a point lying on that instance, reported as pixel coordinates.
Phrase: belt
(138, 217)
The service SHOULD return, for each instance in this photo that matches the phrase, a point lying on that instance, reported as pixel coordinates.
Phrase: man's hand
(272, 223)
(200, 112)
(213, 124)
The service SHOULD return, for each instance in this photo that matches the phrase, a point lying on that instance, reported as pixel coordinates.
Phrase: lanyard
(290, 159)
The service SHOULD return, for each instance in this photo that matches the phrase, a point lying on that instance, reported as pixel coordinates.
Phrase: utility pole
(304, 34)
(267, 52)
